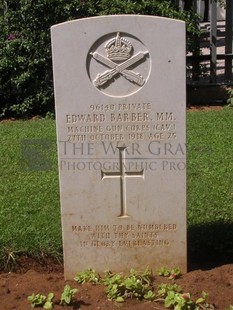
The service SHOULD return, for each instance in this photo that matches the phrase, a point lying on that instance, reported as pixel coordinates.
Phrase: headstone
(120, 114)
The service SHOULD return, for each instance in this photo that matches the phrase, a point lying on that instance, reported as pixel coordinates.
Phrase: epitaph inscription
(120, 116)
(125, 236)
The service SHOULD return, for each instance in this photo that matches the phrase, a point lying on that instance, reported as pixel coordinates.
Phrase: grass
(29, 200)
(210, 166)
(210, 185)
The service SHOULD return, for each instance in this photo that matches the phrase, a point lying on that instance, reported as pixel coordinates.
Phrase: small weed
(150, 295)
(68, 295)
(137, 285)
(49, 303)
(201, 303)
(171, 274)
(178, 301)
(173, 298)
(39, 300)
(114, 283)
(8, 259)
(164, 289)
(88, 275)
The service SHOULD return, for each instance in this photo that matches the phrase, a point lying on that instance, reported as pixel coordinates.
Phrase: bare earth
(32, 277)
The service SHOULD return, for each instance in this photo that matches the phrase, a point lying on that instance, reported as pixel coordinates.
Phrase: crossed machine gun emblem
(118, 60)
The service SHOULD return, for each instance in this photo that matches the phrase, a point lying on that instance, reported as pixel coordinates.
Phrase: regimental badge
(120, 58)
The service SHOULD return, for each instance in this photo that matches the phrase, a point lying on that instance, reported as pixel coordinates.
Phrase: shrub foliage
(26, 86)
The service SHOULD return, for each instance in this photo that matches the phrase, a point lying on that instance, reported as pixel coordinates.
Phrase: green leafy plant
(26, 86)
(150, 295)
(163, 289)
(68, 295)
(49, 302)
(114, 283)
(230, 307)
(201, 302)
(174, 298)
(137, 285)
(171, 274)
(178, 301)
(88, 275)
(230, 97)
(39, 300)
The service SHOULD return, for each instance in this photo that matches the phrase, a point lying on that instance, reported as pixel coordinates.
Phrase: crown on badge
(118, 49)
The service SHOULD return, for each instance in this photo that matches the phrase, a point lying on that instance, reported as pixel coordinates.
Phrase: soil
(34, 277)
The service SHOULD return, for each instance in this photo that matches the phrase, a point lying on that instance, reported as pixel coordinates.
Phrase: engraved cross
(122, 175)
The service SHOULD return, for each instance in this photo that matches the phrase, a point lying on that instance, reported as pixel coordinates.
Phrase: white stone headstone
(120, 113)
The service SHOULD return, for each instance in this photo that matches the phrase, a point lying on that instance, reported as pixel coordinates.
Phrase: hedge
(26, 86)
